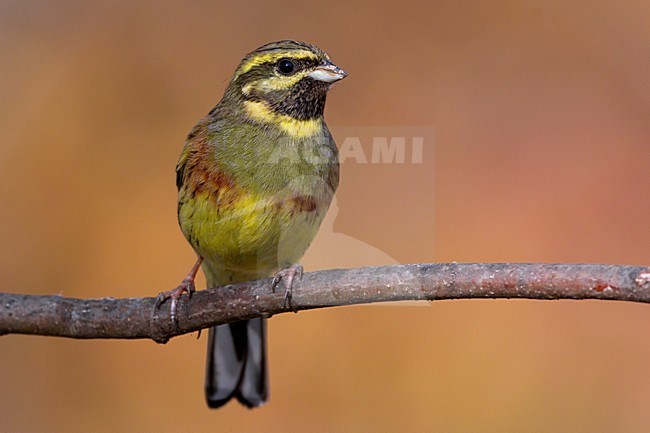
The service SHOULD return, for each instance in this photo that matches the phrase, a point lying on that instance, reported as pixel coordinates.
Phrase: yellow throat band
(261, 112)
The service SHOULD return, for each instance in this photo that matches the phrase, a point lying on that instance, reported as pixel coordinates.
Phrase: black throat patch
(304, 100)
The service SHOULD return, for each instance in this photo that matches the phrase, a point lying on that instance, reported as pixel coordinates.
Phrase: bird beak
(328, 72)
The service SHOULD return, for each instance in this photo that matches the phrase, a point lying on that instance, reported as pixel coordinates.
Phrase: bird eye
(286, 66)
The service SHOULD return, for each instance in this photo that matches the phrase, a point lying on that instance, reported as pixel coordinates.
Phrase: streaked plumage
(255, 179)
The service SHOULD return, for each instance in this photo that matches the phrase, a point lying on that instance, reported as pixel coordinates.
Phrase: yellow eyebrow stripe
(261, 112)
(270, 57)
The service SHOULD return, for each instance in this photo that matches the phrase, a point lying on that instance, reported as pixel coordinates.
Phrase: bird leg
(288, 276)
(187, 285)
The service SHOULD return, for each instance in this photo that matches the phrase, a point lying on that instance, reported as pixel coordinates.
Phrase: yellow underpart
(261, 112)
(239, 236)
(276, 55)
(251, 236)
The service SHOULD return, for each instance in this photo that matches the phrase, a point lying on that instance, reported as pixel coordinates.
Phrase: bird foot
(288, 275)
(186, 286)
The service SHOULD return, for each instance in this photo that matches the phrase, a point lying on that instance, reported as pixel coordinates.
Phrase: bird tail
(236, 360)
(236, 364)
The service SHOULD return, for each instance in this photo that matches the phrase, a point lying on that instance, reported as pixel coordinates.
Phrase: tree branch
(136, 317)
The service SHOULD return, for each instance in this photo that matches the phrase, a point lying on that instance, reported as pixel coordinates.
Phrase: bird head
(286, 79)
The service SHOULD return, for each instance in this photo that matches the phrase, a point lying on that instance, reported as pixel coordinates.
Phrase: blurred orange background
(541, 113)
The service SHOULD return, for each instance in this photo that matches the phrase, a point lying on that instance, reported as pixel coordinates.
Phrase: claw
(186, 286)
(288, 275)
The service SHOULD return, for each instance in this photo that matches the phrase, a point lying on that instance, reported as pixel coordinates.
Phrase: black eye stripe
(269, 68)
(299, 63)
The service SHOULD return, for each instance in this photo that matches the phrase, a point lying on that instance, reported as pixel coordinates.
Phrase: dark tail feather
(237, 364)
(253, 389)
